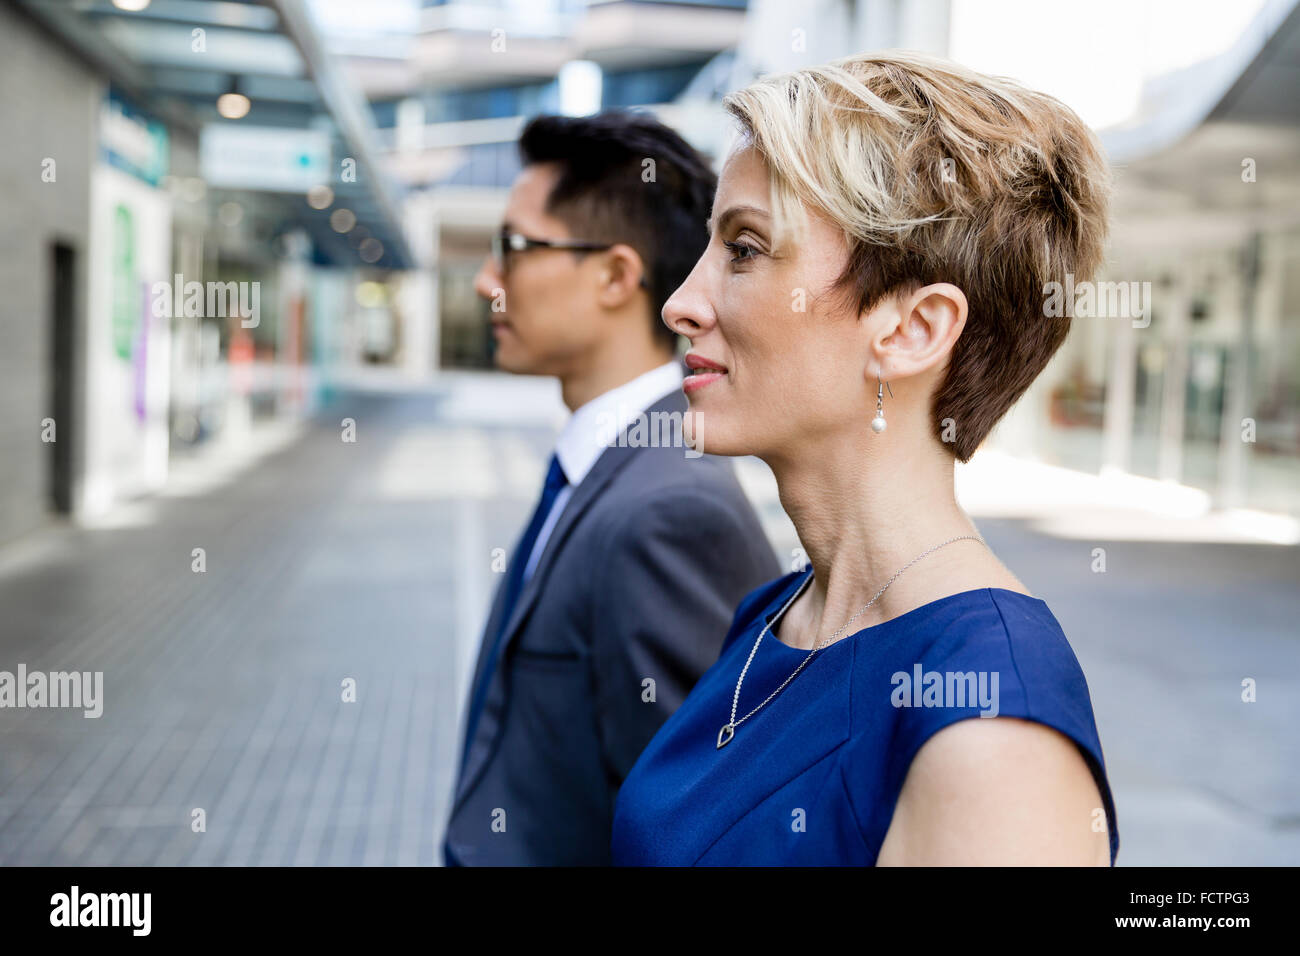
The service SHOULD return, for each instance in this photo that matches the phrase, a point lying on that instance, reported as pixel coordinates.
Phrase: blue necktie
(514, 585)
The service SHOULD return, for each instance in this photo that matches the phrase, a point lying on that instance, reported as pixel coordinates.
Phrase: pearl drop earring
(878, 423)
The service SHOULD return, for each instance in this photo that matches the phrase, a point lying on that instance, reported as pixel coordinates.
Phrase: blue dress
(813, 777)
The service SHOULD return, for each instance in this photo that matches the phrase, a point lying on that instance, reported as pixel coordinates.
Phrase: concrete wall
(48, 108)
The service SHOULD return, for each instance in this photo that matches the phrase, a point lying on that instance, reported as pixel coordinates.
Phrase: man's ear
(920, 330)
(621, 272)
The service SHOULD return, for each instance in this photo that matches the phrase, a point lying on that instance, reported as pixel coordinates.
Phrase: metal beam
(352, 115)
(216, 13)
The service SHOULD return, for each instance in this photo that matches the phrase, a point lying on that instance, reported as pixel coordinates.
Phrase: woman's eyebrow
(734, 211)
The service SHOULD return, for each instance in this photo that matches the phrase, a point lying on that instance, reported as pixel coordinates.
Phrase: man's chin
(512, 358)
(506, 361)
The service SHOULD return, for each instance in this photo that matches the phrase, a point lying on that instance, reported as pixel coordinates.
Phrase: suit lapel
(612, 460)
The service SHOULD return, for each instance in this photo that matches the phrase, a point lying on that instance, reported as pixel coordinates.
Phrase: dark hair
(607, 192)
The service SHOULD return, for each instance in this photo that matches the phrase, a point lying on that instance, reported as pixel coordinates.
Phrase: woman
(870, 303)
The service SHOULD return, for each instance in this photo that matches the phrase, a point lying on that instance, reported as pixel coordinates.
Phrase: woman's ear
(881, 324)
(921, 331)
(944, 306)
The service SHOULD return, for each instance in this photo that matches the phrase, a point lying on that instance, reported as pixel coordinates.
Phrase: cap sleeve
(1004, 657)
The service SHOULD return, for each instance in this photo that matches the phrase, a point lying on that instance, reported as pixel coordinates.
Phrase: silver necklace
(729, 728)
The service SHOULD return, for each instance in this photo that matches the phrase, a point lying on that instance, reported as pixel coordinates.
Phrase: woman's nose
(687, 311)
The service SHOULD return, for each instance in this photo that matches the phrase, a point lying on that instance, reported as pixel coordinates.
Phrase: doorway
(63, 357)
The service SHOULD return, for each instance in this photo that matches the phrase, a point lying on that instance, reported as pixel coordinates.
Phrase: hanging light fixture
(233, 104)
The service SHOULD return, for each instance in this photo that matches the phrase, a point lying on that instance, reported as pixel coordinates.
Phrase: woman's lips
(703, 372)
(700, 379)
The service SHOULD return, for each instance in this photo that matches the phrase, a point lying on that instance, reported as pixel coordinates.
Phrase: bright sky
(366, 16)
(1094, 54)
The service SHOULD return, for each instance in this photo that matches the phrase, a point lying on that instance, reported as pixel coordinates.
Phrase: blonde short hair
(937, 173)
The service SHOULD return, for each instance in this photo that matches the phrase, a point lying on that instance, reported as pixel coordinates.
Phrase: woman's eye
(740, 251)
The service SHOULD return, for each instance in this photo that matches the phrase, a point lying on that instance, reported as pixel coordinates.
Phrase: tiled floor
(223, 689)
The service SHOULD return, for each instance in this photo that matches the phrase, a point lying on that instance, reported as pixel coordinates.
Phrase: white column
(418, 289)
(1117, 426)
(1174, 309)
(1238, 400)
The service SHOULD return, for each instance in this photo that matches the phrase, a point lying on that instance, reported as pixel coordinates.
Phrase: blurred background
(231, 511)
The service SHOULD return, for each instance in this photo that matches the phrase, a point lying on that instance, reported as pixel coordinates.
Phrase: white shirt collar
(592, 428)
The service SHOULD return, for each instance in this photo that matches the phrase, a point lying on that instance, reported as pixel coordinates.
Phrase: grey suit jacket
(627, 607)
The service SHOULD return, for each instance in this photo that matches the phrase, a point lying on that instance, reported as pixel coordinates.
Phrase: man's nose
(488, 282)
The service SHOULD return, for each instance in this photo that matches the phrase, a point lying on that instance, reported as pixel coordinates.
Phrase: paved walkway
(329, 560)
(324, 562)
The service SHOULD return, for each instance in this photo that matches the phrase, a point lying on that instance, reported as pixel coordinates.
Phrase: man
(621, 589)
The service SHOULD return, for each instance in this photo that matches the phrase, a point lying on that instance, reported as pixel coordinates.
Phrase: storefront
(127, 346)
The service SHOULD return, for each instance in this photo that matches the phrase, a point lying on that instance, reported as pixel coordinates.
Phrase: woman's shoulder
(984, 625)
(986, 652)
(1006, 646)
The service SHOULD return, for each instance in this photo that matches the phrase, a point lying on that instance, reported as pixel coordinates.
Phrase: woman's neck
(861, 516)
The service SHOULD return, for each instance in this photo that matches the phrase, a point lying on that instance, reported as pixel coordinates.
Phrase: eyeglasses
(504, 243)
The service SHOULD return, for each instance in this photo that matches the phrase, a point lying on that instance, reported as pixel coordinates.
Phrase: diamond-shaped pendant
(725, 734)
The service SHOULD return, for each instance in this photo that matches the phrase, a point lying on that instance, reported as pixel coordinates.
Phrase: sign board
(131, 140)
(261, 157)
